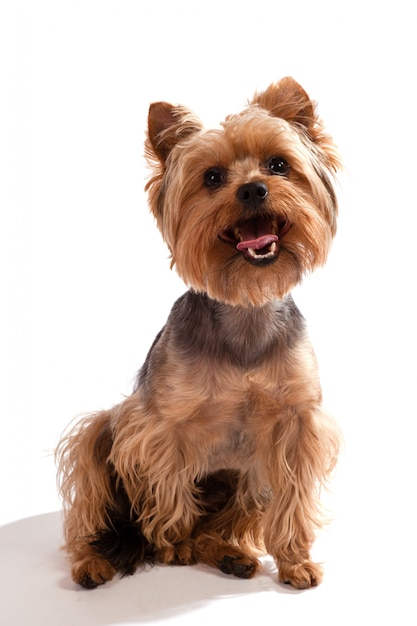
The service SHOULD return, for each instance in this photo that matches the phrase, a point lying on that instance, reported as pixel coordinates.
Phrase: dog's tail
(96, 508)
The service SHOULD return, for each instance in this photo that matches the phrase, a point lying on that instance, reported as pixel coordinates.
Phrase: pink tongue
(258, 243)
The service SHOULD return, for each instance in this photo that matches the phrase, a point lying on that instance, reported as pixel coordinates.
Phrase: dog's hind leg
(101, 538)
(85, 488)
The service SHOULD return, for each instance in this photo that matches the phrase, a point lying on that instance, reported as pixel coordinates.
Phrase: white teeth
(267, 255)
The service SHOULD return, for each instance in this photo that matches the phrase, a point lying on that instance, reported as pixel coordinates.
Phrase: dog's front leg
(169, 518)
(302, 452)
(159, 479)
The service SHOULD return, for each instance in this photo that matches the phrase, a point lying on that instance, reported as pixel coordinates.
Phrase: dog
(220, 453)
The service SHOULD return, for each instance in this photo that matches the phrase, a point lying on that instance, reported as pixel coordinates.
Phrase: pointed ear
(288, 100)
(167, 126)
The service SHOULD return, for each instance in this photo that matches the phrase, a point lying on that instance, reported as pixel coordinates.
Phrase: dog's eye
(214, 178)
(278, 165)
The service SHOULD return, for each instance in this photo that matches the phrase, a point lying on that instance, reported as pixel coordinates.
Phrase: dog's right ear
(167, 126)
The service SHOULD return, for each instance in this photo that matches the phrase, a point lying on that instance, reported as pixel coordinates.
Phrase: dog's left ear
(167, 126)
(288, 100)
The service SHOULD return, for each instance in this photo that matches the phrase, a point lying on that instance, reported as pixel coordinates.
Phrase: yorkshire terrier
(220, 453)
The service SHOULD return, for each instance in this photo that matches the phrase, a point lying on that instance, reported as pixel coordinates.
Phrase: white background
(85, 279)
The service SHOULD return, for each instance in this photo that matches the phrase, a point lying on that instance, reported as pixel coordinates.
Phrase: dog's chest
(233, 452)
(236, 421)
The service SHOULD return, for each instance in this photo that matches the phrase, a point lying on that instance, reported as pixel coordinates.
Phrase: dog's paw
(178, 554)
(300, 575)
(240, 565)
(92, 572)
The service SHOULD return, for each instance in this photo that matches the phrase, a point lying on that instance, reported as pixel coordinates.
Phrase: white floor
(36, 589)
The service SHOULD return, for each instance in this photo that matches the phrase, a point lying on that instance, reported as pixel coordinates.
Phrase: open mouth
(258, 239)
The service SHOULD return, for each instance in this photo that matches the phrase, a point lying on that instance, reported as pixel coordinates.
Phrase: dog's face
(247, 209)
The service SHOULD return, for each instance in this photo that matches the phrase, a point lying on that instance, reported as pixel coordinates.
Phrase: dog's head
(249, 208)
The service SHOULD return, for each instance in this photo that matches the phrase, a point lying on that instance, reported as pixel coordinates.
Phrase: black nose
(252, 194)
